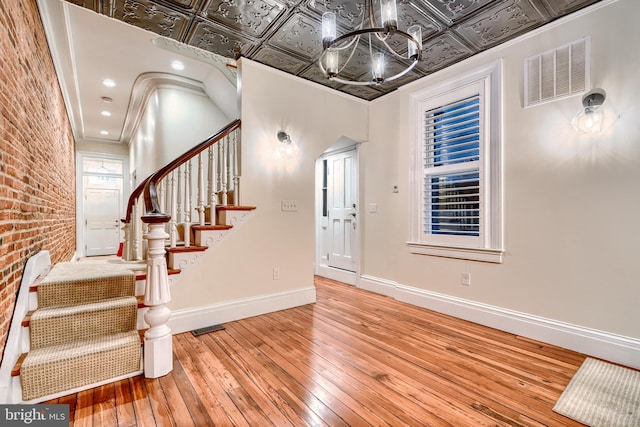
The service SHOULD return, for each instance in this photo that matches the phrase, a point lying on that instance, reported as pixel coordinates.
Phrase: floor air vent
(202, 331)
(557, 73)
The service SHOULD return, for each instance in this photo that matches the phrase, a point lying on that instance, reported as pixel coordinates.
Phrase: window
(456, 208)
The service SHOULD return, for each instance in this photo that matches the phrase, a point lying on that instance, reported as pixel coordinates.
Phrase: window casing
(456, 199)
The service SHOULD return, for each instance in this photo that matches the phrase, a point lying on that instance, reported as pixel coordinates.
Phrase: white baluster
(223, 166)
(187, 204)
(137, 233)
(179, 217)
(161, 196)
(126, 247)
(218, 148)
(173, 225)
(201, 190)
(158, 349)
(236, 168)
(230, 164)
(212, 186)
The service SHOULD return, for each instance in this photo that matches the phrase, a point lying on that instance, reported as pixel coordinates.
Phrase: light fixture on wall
(378, 42)
(592, 117)
(286, 147)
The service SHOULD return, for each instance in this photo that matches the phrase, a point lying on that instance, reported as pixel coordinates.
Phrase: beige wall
(571, 202)
(315, 118)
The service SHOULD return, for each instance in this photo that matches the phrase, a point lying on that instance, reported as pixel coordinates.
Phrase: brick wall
(37, 188)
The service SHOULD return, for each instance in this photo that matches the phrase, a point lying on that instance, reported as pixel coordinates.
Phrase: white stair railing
(170, 189)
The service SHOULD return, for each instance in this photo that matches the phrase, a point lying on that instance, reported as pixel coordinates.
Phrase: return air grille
(557, 73)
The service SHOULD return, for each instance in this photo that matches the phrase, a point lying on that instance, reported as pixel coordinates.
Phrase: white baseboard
(604, 345)
(344, 276)
(215, 314)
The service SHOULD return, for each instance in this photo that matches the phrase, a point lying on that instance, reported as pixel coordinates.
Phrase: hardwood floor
(352, 359)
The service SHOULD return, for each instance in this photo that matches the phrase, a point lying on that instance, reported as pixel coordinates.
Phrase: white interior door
(342, 210)
(102, 221)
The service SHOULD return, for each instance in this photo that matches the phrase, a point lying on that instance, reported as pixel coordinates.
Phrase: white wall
(571, 202)
(175, 119)
(316, 118)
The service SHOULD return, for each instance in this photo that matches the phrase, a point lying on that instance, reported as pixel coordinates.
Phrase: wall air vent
(557, 73)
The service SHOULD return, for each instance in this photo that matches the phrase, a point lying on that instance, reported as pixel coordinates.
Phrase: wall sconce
(591, 118)
(287, 148)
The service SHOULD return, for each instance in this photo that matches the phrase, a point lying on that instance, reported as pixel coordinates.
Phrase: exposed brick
(37, 191)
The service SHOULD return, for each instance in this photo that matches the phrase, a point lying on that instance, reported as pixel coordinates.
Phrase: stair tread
(61, 311)
(191, 248)
(235, 208)
(212, 227)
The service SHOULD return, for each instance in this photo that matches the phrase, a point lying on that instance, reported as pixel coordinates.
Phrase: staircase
(94, 322)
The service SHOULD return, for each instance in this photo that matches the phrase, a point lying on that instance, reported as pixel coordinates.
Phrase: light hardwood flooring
(352, 359)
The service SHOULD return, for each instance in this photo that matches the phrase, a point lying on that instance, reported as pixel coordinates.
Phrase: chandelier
(374, 40)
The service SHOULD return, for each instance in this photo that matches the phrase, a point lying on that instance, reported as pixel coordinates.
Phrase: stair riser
(74, 372)
(84, 292)
(81, 326)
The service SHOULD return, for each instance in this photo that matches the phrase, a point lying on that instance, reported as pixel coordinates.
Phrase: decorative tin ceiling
(285, 34)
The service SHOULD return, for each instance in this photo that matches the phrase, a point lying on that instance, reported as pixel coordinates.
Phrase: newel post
(158, 349)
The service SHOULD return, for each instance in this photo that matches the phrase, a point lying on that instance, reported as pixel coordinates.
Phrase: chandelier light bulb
(389, 14)
(332, 59)
(378, 67)
(328, 28)
(414, 31)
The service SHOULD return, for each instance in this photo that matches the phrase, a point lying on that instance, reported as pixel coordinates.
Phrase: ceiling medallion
(374, 41)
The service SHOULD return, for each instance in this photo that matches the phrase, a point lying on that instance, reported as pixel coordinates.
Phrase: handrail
(132, 199)
(152, 207)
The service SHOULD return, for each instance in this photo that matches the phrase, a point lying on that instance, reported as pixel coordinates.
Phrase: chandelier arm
(396, 54)
(353, 51)
(355, 40)
(397, 76)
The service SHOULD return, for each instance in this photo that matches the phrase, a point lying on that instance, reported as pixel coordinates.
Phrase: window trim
(490, 247)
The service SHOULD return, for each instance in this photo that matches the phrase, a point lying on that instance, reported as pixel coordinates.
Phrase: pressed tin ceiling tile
(184, 4)
(151, 16)
(501, 22)
(285, 34)
(349, 13)
(452, 11)
(442, 51)
(365, 92)
(300, 35)
(280, 60)
(561, 7)
(209, 36)
(252, 17)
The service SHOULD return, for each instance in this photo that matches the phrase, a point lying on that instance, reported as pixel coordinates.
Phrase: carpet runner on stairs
(84, 330)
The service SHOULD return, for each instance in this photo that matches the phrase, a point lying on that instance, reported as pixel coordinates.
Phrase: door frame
(80, 156)
(321, 263)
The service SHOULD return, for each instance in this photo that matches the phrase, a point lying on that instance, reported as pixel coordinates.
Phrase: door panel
(102, 220)
(342, 209)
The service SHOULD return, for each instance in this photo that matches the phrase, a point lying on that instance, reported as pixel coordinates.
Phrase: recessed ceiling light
(106, 113)
(108, 83)
(177, 65)
(104, 132)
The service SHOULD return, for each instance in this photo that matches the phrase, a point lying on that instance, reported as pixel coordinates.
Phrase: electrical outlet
(276, 273)
(288, 205)
(465, 279)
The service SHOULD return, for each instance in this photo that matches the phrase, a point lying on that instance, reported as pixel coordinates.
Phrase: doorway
(338, 236)
(101, 205)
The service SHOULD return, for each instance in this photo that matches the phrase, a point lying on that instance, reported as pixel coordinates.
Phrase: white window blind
(456, 167)
(451, 174)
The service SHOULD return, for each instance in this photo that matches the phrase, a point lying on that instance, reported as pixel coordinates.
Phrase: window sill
(473, 254)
